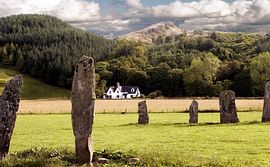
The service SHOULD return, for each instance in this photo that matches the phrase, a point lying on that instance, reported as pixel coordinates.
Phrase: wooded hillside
(47, 48)
(181, 65)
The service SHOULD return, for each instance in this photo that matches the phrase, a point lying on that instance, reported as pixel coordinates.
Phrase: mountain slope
(148, 34)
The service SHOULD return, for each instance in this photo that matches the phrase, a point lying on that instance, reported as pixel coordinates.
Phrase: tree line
(199, 65)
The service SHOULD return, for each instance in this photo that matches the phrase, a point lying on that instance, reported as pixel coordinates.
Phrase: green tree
(242, 84)
(175, 85)
(20, 62)
(100, 86)
(260, 71)
(200, 76)
(3, 54)
(138, 78)
(102, 70)
(159, 77)
(229, 69)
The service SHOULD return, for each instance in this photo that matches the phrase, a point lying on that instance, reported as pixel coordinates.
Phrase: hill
(32, 88)
(151, 33)
(47, 48)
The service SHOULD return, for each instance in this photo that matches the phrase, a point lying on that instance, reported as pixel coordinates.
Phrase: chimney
(117, 84)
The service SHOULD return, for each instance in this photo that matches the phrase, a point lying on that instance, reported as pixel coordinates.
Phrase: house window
(132, 90)
(117, 96)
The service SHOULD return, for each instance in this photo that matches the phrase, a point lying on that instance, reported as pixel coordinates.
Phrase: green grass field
(32, 88)
(167, 141)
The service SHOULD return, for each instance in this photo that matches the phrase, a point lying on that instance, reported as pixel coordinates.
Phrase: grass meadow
(43, 134)
(167, 141)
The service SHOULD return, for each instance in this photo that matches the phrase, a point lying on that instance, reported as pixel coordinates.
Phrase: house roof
(129, 89)
(126, 89)
(107, 88)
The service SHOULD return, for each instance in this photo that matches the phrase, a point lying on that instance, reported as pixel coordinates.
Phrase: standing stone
(266, 103)
(193, 112)
(143, 114)
(227, 106)
(9, 105)
(83, 103)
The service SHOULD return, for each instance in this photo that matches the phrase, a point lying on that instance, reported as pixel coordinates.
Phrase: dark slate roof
(127, 89)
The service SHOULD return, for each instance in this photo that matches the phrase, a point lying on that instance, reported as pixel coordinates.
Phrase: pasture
(116, 106)
(167, 141)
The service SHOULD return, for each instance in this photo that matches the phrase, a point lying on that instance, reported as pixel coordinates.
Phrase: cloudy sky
(118, 17)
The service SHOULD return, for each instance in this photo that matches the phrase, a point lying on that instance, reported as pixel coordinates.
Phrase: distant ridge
(168, 28)
(148, 34)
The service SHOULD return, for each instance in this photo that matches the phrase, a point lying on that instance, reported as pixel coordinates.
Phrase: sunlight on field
(168, 105)
(167, 140)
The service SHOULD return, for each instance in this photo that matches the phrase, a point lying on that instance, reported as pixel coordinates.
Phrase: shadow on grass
(170, 124)
(63, 157)
(46, 157)
(198, 124)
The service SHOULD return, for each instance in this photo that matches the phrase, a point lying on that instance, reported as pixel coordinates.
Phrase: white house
(121, 92)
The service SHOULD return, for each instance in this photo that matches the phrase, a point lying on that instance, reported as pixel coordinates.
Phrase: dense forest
(199, 65)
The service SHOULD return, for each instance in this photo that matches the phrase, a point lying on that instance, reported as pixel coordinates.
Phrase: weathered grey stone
(266, 103)
(9, 105)
(193, 112)
(228, 113)
(83, 103)
(143, 114)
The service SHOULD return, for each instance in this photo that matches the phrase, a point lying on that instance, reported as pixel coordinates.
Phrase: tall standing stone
(143, 113)
(228, 113)
(83, 103)
(193, 112)
(9, 105)
(266, 103)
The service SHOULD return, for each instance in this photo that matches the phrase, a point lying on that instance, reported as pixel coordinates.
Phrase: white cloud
(175, 9)
(218, 14)
(107, 26)
(119, 22)
(135, 4)
(211, 8)
(67, 10)
(216, 8)
(241, 7)
(250, 15)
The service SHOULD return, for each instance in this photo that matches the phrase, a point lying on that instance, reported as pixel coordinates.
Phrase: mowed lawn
(168, 140)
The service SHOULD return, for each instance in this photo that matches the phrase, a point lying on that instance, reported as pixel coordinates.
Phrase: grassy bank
(32, 88)
(167, 141)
